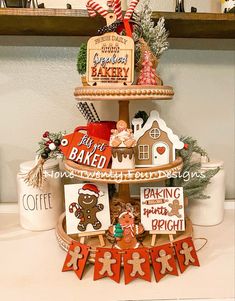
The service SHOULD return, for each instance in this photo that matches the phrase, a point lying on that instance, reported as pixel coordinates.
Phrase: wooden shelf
(62, 22)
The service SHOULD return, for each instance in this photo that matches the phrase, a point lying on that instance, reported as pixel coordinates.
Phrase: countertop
(31, 262)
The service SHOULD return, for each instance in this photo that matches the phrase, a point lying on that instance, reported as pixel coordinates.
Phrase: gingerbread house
(156, 143)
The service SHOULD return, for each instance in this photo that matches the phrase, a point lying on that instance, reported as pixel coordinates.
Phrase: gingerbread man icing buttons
(163, 261)
(107, 264)
(175, 207)
(76, 258)
(136, 264)
(186, 253)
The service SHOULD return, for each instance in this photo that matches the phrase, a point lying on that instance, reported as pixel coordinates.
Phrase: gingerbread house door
(160, 154)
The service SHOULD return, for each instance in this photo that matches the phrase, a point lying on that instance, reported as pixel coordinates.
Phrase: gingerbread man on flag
(136, 262)
(164, 260)
(107, 261)
(187, 253)
(75, 256)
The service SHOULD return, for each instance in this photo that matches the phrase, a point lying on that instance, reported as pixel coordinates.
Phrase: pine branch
(192, 178)
(155, 36)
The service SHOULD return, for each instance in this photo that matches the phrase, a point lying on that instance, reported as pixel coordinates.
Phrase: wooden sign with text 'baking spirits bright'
(110, 60)
(162, 209)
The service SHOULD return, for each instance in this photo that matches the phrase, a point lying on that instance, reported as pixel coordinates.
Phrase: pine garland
(191, 178)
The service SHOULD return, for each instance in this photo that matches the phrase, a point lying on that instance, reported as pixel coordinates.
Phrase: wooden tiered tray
(64, 240)
(133, 92)
(124, 176)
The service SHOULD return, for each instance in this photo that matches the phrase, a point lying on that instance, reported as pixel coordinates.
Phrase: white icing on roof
(154, 116)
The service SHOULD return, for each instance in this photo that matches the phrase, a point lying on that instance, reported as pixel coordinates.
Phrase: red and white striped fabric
(117, 8)
(131, 9)
(93, 8)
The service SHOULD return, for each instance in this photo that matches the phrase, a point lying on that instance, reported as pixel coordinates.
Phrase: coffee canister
(210, 212)
(40, 208)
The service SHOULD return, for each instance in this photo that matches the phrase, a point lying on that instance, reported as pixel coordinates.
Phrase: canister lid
(212, 164)
(28, 165)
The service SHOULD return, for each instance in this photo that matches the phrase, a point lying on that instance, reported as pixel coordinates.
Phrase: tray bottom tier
(64, 240)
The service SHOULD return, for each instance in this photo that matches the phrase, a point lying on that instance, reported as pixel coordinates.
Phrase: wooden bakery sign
(110, 59)
(162, 209)
(86, 150)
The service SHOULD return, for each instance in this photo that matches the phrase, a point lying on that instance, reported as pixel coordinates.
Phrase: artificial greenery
(191, 178)
(81, 59)
(118, 232)
(154, 35)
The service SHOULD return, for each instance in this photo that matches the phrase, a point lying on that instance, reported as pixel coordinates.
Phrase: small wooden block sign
(162, 209)
(110, 60)
(86, 150)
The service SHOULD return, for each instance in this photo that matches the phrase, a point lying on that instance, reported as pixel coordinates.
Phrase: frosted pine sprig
(155, 36)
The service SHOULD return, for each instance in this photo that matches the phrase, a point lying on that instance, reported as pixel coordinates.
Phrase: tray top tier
(133, 92)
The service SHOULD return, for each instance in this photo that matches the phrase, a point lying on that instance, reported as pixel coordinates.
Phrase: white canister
(210, 212)
(40, 209)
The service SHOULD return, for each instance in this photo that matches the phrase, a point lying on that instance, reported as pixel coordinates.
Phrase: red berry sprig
(49, 145)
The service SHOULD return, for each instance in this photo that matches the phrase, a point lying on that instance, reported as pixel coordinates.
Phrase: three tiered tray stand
(124, 95)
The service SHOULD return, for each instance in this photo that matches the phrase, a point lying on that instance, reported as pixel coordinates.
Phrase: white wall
(36, 94)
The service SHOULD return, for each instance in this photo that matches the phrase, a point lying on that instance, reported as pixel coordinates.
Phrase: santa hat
(90, 189)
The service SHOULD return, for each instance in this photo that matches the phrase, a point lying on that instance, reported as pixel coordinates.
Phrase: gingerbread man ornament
(75, 256)
(164, 260)
(175, 207)
(107, 261)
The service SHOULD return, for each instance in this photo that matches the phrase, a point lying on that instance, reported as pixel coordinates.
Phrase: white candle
(40, 208)
(209, 212)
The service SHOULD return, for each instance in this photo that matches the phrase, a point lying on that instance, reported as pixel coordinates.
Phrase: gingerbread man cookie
(136, 262)
(75, 256)
(163, 259)
(87, 207)
(126, 231)
(107, 261)
(187, 253)
(175, 207)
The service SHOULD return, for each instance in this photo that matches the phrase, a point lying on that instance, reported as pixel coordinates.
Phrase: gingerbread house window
(154, 133)
(143, 152)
